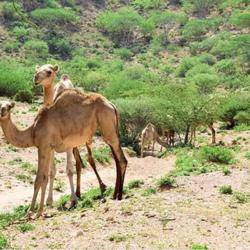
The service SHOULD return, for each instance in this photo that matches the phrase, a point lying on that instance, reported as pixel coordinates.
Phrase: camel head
(5, 107)
(45, 74)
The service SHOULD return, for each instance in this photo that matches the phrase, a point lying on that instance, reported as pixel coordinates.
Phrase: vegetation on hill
(174, 63)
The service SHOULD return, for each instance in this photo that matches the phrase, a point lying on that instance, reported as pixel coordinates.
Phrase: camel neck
(48, 93)
(16, 137)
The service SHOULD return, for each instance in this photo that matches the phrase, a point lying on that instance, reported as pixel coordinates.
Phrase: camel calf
(148, 135)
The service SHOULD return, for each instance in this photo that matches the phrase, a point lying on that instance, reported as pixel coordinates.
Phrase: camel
(169, 134)
(45, 76)
(71, 121)
(149, 134)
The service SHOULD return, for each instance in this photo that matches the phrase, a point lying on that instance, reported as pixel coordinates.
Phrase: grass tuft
(226, 189)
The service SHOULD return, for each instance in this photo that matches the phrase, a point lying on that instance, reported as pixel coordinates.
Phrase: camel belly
(70, 142)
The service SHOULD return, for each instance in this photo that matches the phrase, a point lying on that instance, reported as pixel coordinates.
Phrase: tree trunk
(186, 135)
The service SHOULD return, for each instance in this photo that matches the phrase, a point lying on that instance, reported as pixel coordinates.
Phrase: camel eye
(49, 72)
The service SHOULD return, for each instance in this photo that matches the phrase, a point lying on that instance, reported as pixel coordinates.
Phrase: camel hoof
(73, 204)
(103, 200)
(103, 188)
(49, 202)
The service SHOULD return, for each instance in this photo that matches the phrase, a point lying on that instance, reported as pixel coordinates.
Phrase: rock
(79, 233)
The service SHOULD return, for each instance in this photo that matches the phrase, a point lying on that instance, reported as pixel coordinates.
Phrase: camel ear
(37, 67)
(56, 68)
(12, 105)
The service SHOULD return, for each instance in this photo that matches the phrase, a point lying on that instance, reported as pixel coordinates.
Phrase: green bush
(186, 64)
(199, 247)
(3, 242)
(147, 4)
(56, 15)
(240, 19)
(194, 30)
(102, 155)
(14, 77)
(94, 81)
(21, 33)
(8, 12)
(36, 48)
(217, 154)
(226, 66)
(201, 7)
(25, 227)
(11, 47)
(120, 25)
(241, 197)
(166, 182)
(207, 58)
(24, 96)
(124, 53)
(226, 189)
(135, 184)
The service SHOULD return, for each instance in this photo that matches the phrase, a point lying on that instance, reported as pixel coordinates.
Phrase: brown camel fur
(45, 76)
(71, 121)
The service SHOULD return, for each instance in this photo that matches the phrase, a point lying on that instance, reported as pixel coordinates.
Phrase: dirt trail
(148, 168)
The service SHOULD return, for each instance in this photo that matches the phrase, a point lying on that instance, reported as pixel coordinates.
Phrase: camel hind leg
(108, 124)
(92, 163)
(79, 166)
(52, 175)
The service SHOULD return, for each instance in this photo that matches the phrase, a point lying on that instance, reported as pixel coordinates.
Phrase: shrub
(36, 48)
(94, 81)
(56, 15)
(241, 197)
(243, 119)
(207, 58)
(240, 19)
(247, 155)
(149, 191)
(102, 154)
(166, 182)
(13, 77)
(8, 12)
(186, 64)
(195, 29)
(147, 4)
(135, 184)
(226, 170)
(21, 33)
(202, 7)
(11, 47)
(3, 242)
(226, 66)
(226, 189)
(199, 247)
(122, 24)
(124, 53)
(25, 228)
(24, 96)
(60, 46)
(217, 154)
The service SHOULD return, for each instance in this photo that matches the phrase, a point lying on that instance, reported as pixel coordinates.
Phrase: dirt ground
(193, 213)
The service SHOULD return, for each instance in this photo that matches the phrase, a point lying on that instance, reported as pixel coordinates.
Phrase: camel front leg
(153, 148)
(45, 157)
(52, 175)
(70, 173)
(142, 147)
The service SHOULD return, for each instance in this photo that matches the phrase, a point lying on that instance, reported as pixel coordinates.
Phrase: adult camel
(70, 122)
(45, 76)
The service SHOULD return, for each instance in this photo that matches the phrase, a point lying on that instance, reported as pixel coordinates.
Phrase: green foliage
(217, 154)
(7, 219)
(3, 242)
(247, 155)
(21, 33)
(149, 191)
(24, 96)
(147, 4)
(94, 81)
(13, 77)
(241, 197)
(199, 247)
(124, 53)
(241, 19)
(54, 15)
(166, 182)
(102, 155)
(36, 48)
(61, 203)
(207, 58)
(226, 189)
(226, 170)
(25, 227)
(8, 12)
(135, 184)
(186, 64)
(195, 29)
(243, 119)
(120, 25)
(11, 47)
(226, 66)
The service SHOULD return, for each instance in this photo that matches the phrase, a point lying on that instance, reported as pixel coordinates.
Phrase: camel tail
(117, 118)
